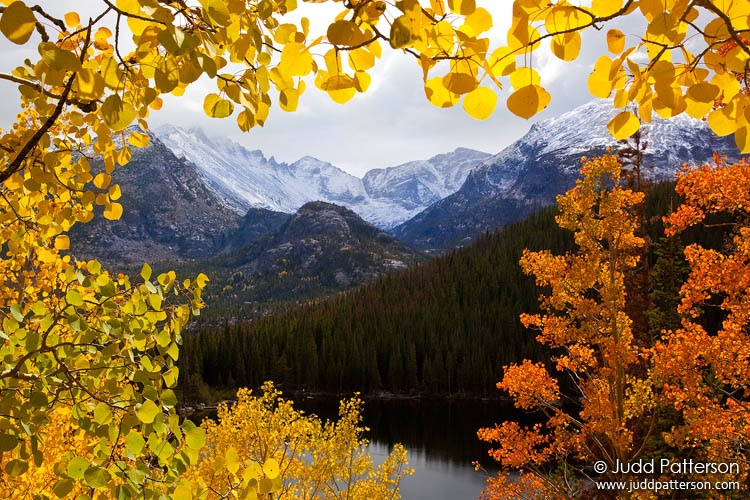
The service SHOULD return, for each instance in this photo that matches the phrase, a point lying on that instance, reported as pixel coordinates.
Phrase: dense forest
(446, 327)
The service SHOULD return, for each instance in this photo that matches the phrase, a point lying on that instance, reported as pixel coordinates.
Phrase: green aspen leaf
(134, 443)
(15, 311)
(146, 272)
(147, 412)
(77, 466)
(271, 468)
(232, 460)
(74, 298)
(57, 58)
(480, 103)
(16, 467)
(102, 413)
(528, 101)
(196, 438)
(38, 400)
(116, 113)
(17, 23)
(182, 493)
(8, 442)
(216, 107)
(170, 377)
(63, 487)
(217, 12)
(97, 477)
(623, 125)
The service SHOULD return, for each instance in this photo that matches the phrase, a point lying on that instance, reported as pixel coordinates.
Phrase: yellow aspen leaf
(217, 12)
(623, 125)
(361, 81)
(342, 96)
(528, 101)
(621, 99)
(720, 123)
(337, 82)
(563, 17)
(728, 84)
(463, 7)
(62, 242)
(102, 180)
(480, 103)
(116, 113)
(285, 33)
(477, 22)
(289, 99)
(113, 211)
(438, 7)
(524, 76)
(438, 95)
(604, 8)
(138, 140)
(296, 60)
(742, 139)
(58, 58)
(216, 107)
(400, 35)
(72, 19)
(271, 468)
(17, 23)
(182, 493)
(114, 192)
(615, 41)
(502, 61)
(232, 460)
(361, 59)
(521, 35)
(566, 46)
(460, 83)
(89, 84)
(343, 33)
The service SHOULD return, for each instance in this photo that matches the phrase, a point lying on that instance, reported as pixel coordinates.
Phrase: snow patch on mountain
(384, 197)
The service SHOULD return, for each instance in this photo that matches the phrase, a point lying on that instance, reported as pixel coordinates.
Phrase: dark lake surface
(440, 437)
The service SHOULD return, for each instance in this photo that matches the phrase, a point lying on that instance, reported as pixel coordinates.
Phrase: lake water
(440, 437)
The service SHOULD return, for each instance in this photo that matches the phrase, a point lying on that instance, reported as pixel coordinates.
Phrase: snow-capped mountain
(545, 162)
(385, 197)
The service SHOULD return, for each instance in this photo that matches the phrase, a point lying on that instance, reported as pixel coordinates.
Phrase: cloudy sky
(391, 123)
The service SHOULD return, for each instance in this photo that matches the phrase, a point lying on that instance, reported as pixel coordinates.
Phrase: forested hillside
(446, 327)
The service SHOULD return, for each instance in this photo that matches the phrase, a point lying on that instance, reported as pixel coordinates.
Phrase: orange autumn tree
(703, 368)
(583, 321)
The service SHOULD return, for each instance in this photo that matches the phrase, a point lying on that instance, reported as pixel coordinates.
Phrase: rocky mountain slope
(169, 214)
(322, 247)
(545, 162)
(384, 197)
